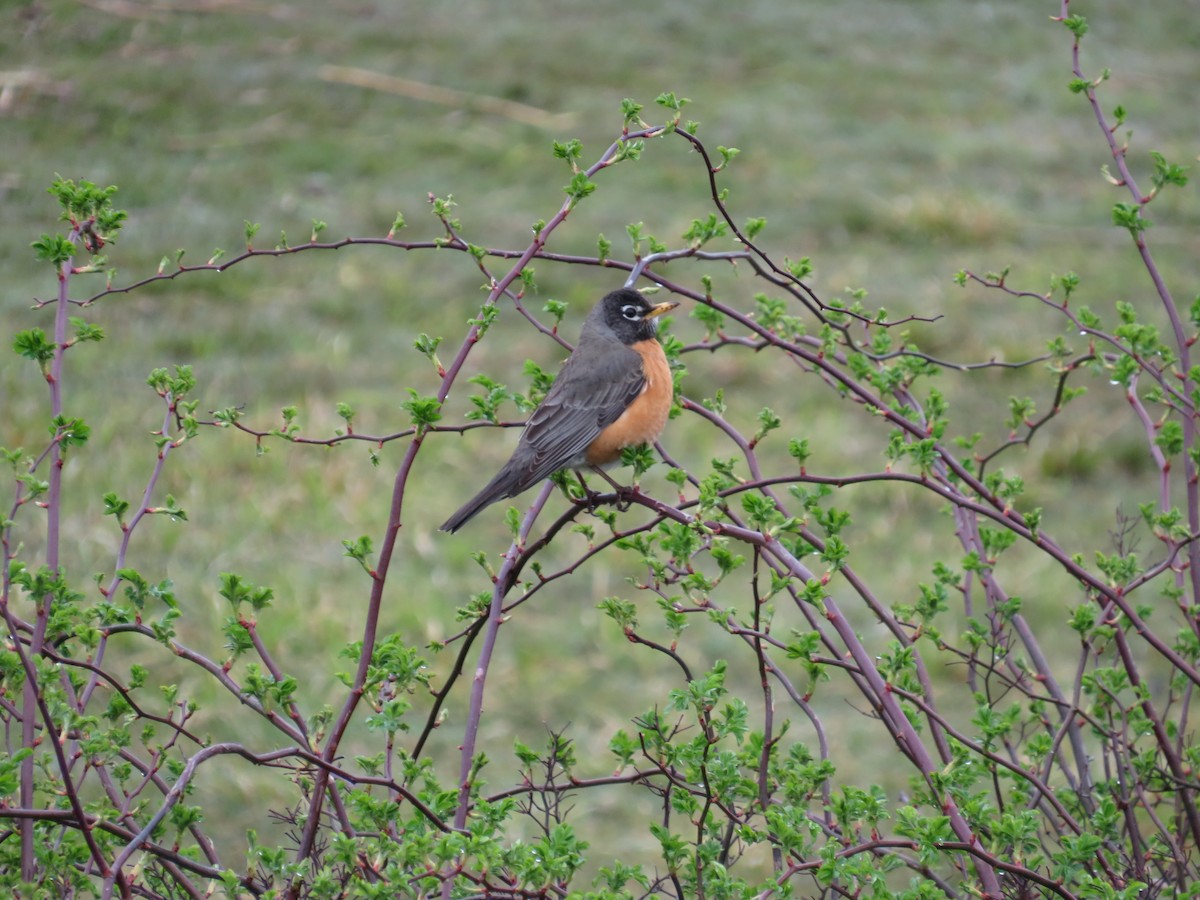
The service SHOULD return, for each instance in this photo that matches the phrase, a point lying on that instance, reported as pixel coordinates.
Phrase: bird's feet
(626, 495)
(590, 499)
(622, 498)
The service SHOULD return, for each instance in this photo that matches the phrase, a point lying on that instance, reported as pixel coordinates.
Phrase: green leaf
(671, 102)
(1077, 25)
(53, 248)
(69, 432)
(557, 309)
(1129, 216)
(115, 506)
(768, 421)
(727, 155)
(423, 410)
(1167, 173)
(85, 331)
(33, 344)
(580, 187)
(1170, 437)
(570, 151)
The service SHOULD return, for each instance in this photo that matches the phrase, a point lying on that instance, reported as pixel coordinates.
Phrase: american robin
(613, 392)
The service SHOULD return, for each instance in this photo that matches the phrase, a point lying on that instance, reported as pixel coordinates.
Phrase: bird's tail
(496, 489)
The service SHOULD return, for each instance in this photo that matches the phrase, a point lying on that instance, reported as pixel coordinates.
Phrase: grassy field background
(893, 143)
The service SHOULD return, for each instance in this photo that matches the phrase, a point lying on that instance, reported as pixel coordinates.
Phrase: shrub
(1060, 760)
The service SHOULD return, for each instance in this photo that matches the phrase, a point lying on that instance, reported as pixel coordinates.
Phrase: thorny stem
(1178, 329)
(30, 699)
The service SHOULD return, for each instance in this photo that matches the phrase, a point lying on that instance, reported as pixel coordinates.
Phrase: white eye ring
(631, 312)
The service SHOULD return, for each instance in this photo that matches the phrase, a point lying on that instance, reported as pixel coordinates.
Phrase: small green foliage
(771, 314)
(268, 690)
(580, 187)
(172, 385)
(360, 551)
(996, 541)
(713, 320)
(799, 450)
(557, 309)
(571, 151)
(1170, 437)
(33, 344)
(53, 248)
(85, 331)
(69, 432)
(703, 231)
(1020, 411)
(390, 718)
(171, 510)
(442, 208)
(90, 211)
(631, 150)
(540, 382)
(289, 428)
(761, 511)
(1129, 216)
(1077, 25)
(1117, 568)
(487, 405)
(669, 101)
(139, 590)
(715, 403)
(115, 506)
(346, 413)
(768, 421)
(800, 268)
(425, 411)
(623, 612)
(641, 457)
(238, 591)
(1068, 283)
(427, 346)
(630, 112)
(487, 315)
(702, 693)
(1166, 173)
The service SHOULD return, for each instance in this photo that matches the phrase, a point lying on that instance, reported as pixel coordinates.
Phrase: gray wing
(590, 393)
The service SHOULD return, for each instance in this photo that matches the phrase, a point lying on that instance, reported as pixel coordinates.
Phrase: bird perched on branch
(613, 392)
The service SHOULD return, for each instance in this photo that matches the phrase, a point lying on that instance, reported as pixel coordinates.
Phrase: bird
(614, 391)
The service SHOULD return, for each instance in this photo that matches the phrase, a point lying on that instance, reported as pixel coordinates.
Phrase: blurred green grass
(892, 143)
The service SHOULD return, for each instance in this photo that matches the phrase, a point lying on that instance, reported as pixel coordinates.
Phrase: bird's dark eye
(631, 312)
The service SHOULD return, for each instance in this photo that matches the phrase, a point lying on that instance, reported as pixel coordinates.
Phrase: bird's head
(630, 316)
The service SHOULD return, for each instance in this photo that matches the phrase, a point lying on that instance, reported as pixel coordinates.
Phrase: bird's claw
(626, 497)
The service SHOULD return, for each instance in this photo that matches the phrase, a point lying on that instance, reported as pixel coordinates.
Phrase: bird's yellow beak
(659, 309)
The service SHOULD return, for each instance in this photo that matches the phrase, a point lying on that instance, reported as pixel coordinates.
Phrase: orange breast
(643, 420)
